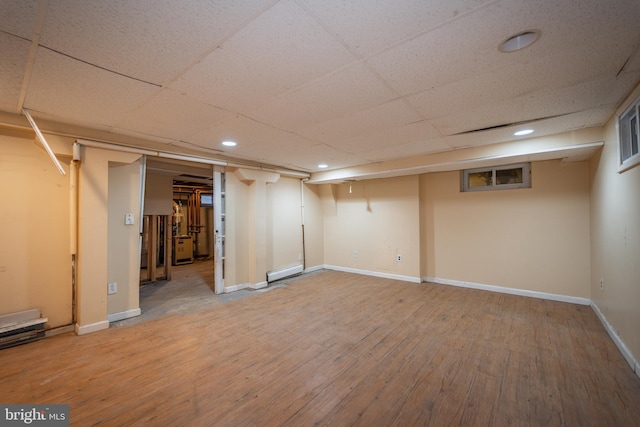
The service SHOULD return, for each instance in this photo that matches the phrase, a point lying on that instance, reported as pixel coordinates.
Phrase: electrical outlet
(112, 288)
(299, 257)
(128, 219)
(399, 258)
(355, 254)
(601, 284)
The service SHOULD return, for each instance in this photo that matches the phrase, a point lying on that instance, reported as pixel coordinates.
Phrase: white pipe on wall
(161, 154)
(76, 151)
(73, 225)
(304, 244)
(143, 183)
(115, 147)
(73, 202)
(191, 158)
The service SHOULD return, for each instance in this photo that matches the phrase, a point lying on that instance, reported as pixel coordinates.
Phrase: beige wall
(313, 227)
(236, 245)
(284, 223)
(35, 257)
(263, 228)
(615, 243)
(123, 258)
(379, 219)
(93, 236)
(534, 239)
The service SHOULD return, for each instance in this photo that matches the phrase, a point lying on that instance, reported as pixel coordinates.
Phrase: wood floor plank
(335, 348)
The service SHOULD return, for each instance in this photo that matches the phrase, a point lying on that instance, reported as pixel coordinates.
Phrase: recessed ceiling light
(523, 132)
(519, 41)
(229, 143)
(323, 166)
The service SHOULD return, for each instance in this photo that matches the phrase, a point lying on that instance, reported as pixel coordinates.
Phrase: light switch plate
(128, 219)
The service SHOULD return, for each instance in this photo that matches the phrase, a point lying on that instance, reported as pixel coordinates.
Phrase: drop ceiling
(297, 83)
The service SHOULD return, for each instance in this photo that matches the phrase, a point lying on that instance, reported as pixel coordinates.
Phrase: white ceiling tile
(172, 115)
(71, 89)
(269, 145)
(564, 24)
(411, 134)
(278, 51)
(13, 62)
(18, 17)
(151, 40)
(299, 82)
(308, 157)
(138, 135)
(545, 127)
(600, 60)
(415, 147)
(322, 153)
(238, 128)
(345, 92)
(540, 104)
(436, 57)
(616, 91)
(390, 114)
(358, 23)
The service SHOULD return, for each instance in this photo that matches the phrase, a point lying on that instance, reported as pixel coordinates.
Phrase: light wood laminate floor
(339, 349)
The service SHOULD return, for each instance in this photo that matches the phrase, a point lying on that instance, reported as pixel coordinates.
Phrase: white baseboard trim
(312, 269)
(512, 291)
(233, 288)
(124, 315)
(635, 365)
(259, 285)
(374, 273)
(93, 327)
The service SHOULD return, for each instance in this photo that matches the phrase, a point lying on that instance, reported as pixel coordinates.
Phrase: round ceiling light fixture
(229, 143)
(523, 132)
(323, 165)
(519, 41)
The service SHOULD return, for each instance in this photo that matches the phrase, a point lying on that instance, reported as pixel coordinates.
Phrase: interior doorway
(181, 229)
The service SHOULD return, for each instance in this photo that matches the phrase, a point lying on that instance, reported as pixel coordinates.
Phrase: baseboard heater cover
(21, 327)
(281, 273)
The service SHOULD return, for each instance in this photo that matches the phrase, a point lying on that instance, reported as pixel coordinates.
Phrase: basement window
(497, 178)
(628, 131)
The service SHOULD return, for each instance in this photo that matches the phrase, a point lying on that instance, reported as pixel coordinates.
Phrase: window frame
(625, 141)
(526, 178)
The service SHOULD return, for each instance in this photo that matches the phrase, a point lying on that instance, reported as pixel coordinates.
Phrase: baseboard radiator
(282, 273)
(21, 327)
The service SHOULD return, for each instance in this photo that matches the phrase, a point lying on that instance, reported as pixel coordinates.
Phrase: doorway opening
(181, 238)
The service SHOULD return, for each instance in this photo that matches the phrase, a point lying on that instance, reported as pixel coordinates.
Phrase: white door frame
(218, 230)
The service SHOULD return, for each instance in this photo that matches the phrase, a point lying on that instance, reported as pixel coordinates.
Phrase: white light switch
(128, 219)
